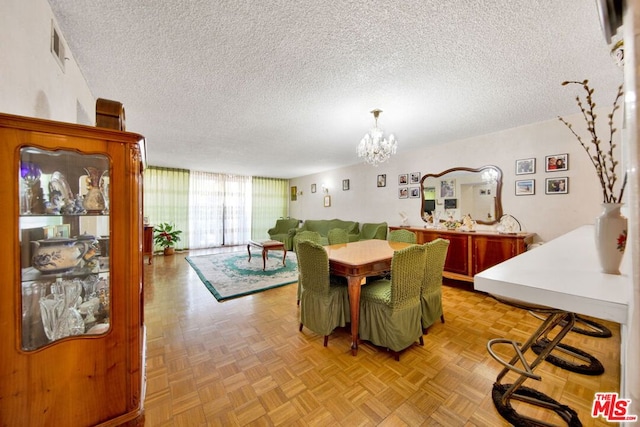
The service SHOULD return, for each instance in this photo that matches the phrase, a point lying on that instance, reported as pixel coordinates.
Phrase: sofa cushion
(323, 226)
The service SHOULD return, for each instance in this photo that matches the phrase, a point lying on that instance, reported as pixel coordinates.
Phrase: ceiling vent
(57, 47)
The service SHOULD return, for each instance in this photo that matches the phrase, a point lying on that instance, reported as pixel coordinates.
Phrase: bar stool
(588, 326)
(502, 394)
(592, 366)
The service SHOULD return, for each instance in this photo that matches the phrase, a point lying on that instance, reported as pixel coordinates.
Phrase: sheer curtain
(237, 210)
(206, 207)
(220, 209)
(214, 209)
(166, 199)
(270, 201)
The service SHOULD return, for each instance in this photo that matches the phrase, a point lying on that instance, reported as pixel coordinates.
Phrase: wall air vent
(57, 46)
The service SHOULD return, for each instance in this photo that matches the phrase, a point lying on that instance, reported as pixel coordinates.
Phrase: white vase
(611, 237)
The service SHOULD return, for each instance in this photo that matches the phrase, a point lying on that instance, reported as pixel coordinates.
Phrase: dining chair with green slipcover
(324, 305)
(313, 236)
(431, 292)
(338, 236)
(403, 236)
(390, 310)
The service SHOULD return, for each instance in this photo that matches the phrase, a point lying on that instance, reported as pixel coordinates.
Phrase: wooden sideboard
(472, 252)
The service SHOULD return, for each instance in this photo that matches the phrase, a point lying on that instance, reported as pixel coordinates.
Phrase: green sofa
(284, 231)
(323, 226)
(370, 231)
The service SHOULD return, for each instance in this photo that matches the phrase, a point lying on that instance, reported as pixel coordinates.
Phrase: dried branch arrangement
(602, 156)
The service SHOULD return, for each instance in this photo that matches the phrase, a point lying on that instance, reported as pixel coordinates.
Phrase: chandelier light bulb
(374, 148)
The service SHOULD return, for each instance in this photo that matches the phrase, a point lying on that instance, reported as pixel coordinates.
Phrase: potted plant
(166, 235)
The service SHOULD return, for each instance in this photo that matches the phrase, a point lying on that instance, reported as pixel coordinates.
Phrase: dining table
(355, 261)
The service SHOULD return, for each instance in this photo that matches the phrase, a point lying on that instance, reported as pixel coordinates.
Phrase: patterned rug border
(220, 298)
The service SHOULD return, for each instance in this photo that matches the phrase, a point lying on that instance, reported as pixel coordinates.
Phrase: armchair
(284, 231)
(373, 231)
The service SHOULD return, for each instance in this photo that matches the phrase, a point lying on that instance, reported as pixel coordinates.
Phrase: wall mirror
(461, 191)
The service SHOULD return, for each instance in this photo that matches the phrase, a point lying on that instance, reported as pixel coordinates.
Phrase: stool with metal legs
(587, 326)
(503, 394)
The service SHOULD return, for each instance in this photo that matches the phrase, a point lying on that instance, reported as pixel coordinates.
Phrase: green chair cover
(390, 310)
(373, 231)
(338, 236)
(431, 293)
(403, 236)
(283, 231)
(323, 305)
(312, 236)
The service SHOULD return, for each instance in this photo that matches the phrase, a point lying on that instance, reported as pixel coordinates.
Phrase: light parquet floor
(243, 362)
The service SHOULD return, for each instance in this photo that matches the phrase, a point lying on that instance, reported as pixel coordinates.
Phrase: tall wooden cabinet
(71, 317)
(472, 252)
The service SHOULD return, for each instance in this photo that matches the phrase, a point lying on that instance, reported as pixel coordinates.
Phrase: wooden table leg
(354, 308)
(249, 250)
(284, 256)
(264, 258)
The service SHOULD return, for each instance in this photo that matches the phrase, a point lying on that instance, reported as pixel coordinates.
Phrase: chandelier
(374, 148)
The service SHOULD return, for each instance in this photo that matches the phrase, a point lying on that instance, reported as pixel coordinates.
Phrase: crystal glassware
(30, 174)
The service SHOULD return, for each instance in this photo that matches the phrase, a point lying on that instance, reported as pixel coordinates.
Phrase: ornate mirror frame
(495, 176)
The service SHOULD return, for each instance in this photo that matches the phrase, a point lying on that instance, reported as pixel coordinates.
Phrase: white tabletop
(563, 273)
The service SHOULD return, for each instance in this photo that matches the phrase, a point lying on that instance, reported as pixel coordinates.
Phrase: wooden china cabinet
(71, 322)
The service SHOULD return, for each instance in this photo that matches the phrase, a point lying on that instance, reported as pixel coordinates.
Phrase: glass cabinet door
(64, 233)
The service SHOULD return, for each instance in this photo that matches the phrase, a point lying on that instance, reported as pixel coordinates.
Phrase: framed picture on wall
(557, 185)
(327, 201)
(525, 187)
(403, 192)
(448, 188)
(451, 203)
(294, 193)
(525, 166)
(556, 162)
(313, 188)
(382, 180)
(414, 192)
(414, 178)
(403, 179)
(345, 184)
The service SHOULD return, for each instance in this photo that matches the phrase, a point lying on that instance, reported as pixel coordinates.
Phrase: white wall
(32, 82)
(547, 215)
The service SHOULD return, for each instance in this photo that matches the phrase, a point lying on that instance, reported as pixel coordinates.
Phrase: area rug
(231, 275)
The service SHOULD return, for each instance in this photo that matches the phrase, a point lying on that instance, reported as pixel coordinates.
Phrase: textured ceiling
(284, 88)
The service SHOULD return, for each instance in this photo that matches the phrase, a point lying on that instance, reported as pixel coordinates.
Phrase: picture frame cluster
(409, 185)
(553, 185)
